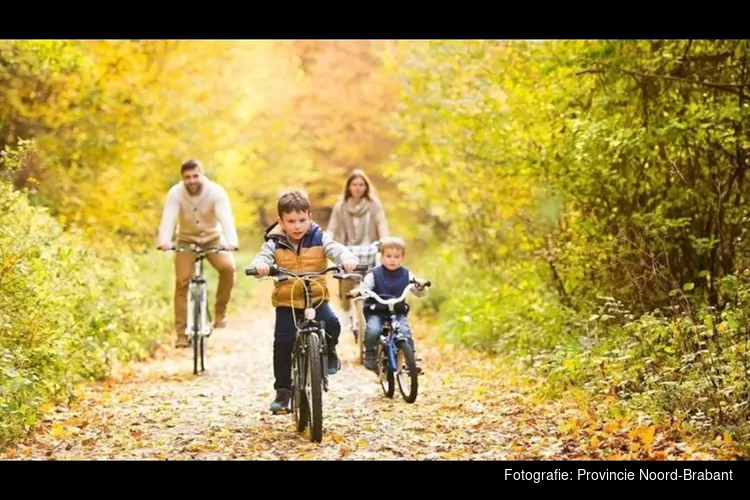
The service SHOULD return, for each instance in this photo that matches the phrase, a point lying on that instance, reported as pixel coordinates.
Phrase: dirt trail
(466, 409)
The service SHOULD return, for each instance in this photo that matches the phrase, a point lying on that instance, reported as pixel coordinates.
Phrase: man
(201, 209)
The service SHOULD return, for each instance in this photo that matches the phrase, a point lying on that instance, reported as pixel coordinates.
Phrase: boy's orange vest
(310, 257)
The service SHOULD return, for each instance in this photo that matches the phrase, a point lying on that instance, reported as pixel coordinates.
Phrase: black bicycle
(199, 326)
(309, 353)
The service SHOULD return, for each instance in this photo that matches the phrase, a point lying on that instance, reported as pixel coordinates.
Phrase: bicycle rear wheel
(315, 386)
(300, 403)
(385, 374)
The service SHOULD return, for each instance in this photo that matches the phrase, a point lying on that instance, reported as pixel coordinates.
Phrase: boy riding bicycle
(296, 243)
(389, 279)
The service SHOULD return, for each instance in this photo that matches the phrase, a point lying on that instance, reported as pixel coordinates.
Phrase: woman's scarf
(349, 210)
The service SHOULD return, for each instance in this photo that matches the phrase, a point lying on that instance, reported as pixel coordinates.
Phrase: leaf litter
(469, 408)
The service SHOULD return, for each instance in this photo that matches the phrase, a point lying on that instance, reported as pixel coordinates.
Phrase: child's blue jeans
(283, 339)
(375, 326)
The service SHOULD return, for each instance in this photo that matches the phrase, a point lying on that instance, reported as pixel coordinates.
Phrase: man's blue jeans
(375, 326)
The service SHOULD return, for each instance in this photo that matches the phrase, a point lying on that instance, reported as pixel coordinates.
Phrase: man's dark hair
(293, 201)
(190, 165)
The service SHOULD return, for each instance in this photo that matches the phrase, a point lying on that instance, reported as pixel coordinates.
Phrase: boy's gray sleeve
(415, 291)
(369, 282)
(267, 255)
(335, 251)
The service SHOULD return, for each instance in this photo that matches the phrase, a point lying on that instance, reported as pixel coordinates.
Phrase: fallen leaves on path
(467, 408)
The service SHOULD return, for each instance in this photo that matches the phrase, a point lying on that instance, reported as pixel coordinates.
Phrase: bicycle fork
(320, 330)
(197, 291)
(391, 350)
(390, 345)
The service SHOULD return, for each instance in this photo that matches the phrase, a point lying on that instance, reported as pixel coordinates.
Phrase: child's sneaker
(334, 363)
(418, 362)
(281, 403)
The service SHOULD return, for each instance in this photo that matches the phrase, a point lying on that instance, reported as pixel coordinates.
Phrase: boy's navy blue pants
(283, 339)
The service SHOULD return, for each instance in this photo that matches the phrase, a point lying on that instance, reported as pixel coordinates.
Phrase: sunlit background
(581, 206)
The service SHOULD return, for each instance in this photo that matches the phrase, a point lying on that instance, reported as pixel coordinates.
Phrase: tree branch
(732, 88)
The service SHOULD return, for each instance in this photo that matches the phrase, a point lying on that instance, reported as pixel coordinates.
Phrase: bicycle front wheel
(406, 368)
(197, 337)
(314, 388)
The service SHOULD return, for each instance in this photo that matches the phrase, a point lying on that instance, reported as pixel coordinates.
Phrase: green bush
(497, 309)
(685, 362)
(67, 310)
(688, 364)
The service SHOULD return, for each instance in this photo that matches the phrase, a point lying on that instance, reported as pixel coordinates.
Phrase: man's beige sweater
(198, 219)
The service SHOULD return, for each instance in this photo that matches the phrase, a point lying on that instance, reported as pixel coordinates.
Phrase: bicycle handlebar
(279, 272)
(198, 250)
(364, 293)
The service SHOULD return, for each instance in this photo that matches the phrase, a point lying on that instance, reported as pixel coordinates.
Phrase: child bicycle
(395, 355)
(199, 326)
(309, 353)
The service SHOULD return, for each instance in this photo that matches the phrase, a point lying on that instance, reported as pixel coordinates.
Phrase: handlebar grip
(361, 267)
(428, 283)
(251, 272)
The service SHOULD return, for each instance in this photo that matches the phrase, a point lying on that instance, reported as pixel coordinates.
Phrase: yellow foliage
(115, 118)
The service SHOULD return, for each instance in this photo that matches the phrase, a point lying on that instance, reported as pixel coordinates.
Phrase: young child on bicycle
(388, 280)
(296, 243)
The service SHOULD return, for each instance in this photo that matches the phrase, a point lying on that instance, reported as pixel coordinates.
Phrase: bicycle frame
(392, 337)
(356, 316)
(357, 321)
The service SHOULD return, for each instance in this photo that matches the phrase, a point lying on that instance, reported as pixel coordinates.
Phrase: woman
(358, 220)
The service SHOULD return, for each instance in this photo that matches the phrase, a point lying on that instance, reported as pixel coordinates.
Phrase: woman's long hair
(369, 193)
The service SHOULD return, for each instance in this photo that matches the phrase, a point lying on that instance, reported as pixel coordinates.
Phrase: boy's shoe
(334, 363)
(281, 403)
(371, 361)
